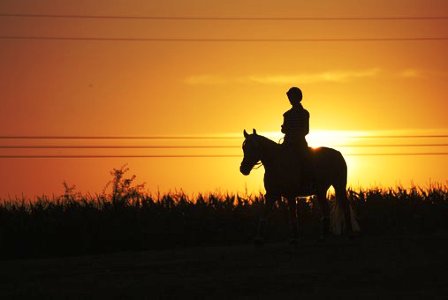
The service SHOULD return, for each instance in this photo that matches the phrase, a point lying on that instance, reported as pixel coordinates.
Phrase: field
(398, 267)
(128, 243)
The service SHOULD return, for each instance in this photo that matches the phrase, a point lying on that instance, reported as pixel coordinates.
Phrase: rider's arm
(283, 126)
(287, 122)
(306, 123)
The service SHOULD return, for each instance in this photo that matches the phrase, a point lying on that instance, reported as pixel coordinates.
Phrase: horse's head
(252, 153)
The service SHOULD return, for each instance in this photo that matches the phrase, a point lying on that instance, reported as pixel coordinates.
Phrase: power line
(200, 155)
(86, 137)
(116, 147)
(402, 136)
(217, 18)
(390, 145)
(205, 137)
(121, 156)
(399, 154)
(218, 40)
(197, 146)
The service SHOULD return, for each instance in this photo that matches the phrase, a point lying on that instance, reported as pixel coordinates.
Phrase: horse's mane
(268, 142)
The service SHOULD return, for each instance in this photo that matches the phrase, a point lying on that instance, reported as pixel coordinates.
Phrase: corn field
(126, 219)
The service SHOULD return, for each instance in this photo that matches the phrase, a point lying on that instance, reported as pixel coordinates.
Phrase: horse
(283, 178)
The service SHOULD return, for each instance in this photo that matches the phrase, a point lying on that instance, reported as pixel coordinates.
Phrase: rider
(296, 127)
(296, 122)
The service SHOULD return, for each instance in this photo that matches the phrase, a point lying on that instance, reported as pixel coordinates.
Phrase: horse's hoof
(353, 235)
(323, 237)
(294, 242)
(258, 242)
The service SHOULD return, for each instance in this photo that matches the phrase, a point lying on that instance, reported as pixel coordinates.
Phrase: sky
(355, 91)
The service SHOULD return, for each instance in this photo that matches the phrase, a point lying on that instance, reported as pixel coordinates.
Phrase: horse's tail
(338, 219)
(342, 212)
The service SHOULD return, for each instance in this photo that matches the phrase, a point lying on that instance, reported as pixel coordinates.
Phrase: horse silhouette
(283, 178)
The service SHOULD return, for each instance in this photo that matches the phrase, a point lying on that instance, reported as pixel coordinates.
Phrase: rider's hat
(294, 92)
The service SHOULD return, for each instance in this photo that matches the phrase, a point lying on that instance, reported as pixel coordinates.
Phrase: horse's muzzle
(244, 170)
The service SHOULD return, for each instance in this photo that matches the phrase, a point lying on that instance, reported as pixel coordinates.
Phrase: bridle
(251, 164)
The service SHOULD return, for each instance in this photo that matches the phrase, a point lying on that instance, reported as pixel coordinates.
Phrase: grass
(126, 218)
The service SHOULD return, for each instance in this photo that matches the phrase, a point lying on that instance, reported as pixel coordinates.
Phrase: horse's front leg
(293, 219)
(325, 213)
(263, 219)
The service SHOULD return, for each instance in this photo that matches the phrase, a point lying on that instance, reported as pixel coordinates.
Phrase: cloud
(304, 78)
(276, 79)
(409, 73)
(207, 80)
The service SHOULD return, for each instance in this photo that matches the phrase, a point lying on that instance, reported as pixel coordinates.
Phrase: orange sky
(211, 88)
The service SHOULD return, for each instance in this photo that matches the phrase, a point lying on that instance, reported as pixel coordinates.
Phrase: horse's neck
(270, 150)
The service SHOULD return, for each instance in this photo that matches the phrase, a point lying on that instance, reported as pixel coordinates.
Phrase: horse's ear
(255, 132)
(245, 133)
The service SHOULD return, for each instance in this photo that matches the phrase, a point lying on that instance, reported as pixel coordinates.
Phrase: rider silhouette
(296, 127)
(296, 122)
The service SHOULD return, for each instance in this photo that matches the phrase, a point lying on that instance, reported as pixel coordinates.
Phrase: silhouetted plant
(124, 190)
(127, 218)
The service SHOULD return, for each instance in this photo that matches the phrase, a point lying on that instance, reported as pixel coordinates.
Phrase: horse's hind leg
(293, 219)
(341, 198)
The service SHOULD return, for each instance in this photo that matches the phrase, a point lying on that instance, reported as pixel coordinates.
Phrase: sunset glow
(189, 87)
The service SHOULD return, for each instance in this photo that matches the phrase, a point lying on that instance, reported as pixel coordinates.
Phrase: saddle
(301, 159)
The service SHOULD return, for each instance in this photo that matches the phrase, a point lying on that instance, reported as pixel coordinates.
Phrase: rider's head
(294, 95)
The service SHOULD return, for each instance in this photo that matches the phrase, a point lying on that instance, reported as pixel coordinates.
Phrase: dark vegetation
(129, 219)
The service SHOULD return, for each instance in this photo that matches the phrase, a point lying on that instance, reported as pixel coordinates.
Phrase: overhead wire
(198, 146)
(218, 40)
(201, 155)
(219, 18)
(190, 137)
(198, 18)
(224, 18)
(116, 137)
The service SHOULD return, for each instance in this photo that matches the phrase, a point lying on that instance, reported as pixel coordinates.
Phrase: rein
(259, 164)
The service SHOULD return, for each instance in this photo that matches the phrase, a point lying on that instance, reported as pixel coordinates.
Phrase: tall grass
(127, 218)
